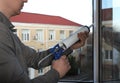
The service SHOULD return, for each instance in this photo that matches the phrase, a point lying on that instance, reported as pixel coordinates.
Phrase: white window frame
(51, 35)
(39, 35)
(108, 54)
(62, 35)
(25, 35)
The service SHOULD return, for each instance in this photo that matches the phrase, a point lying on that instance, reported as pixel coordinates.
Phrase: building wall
(46, 42)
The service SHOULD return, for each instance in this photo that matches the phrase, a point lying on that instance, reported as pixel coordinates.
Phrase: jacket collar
(6, 21)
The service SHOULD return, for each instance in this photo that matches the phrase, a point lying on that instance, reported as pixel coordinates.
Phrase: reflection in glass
(81, 61)
(110, 41)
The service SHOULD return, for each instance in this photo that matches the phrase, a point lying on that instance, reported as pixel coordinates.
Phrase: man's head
(11, 7)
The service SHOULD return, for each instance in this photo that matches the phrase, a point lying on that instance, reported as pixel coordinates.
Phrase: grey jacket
(15, 58)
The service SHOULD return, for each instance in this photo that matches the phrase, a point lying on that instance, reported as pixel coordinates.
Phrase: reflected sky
(115, 5)
(107, 4)
(116, 19)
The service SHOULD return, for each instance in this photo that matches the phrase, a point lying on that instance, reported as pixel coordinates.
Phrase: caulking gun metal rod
(44, 59)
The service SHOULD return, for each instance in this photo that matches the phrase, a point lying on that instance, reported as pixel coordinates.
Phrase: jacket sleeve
(32, 57)
(11, 70)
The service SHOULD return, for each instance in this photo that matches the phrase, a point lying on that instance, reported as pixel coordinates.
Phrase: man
(15, 57)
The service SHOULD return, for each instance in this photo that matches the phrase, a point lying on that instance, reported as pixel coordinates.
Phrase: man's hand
(82, 37)
(61, 65)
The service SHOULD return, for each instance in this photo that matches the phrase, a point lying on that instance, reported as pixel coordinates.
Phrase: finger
(82, 36)
(53, 61)
(69, 67)
(85, 34)
(63, 57)
(67, 60)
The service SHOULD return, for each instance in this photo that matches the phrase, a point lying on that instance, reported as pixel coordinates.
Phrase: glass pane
(110, 40)
(81, 61)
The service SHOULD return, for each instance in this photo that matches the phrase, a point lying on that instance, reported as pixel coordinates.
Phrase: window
(108, 54)
(25, 35)
(70, 32)
(15, 31)
(51, 35)
(109, 40)
(62, 34)
(40, 71)
(39, 35)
